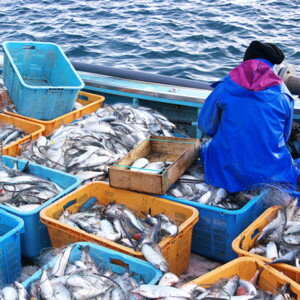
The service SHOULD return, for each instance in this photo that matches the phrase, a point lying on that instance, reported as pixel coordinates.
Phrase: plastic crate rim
(27, 121)
(50, 122)
(5, 49)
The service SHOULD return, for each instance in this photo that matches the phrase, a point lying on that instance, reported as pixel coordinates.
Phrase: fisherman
(249, 118)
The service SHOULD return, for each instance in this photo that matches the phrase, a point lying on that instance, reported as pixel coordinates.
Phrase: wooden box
(181, 151)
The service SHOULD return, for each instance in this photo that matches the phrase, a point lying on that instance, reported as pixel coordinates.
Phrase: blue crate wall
(10, 247)
(116, 261)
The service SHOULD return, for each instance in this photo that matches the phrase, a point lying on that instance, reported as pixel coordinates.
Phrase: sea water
(195, 39)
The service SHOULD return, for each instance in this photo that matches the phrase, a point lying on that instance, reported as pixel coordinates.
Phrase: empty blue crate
(218, 227)
(40, 80)
(36, 236)
(115, 261)
(10, 247)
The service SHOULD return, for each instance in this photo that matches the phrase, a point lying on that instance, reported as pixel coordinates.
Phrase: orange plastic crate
(176, 250)
(244, 242)
(33, 131)
(245, 267)
(90, 101)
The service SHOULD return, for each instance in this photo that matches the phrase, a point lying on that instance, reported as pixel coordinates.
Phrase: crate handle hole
(256, 231)
(29, 47)
(54, 90)
(119, 263)
(70, 203)
(82, 97)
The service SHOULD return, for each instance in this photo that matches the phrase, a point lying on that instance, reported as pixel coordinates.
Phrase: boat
(178, 99)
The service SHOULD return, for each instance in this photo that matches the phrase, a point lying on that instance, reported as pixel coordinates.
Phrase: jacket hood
(254, 78)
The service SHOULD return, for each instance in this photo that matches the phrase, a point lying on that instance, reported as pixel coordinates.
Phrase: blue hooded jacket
(249, 116)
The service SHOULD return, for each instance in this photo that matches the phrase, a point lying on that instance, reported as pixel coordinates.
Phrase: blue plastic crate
(40, 80)
(10, 247)
(116, 261)
(36, 236)
(218, 227)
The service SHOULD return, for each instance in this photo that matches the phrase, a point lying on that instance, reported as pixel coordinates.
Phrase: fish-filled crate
(40, 79)
(248, 239)
(269, 279)
(175, 249)
(112, 263)
(86, 103)
(178, 154)
(35, 236)
(218, 227)
(10, 247)
(15, 131)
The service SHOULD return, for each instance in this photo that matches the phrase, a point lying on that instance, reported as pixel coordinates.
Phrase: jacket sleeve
(210, 114)
(289, 120)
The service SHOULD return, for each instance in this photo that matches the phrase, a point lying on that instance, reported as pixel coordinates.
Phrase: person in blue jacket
(249, 116)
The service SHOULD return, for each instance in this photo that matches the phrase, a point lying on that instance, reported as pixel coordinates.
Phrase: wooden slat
(182, 154)
(142, 150)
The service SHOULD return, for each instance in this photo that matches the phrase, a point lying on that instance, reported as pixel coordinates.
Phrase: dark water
(191, 39)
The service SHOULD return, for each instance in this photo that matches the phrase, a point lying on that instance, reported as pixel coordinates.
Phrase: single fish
(157, 291)
(153, 254)
(168, 279)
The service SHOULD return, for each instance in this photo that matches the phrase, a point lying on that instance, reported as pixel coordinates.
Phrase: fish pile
(10, 133)
(84, 278)
(76, 277)
(145, 166)
(24, 191)
(191, 186)
(14, 291)
(280, 238)
(119, 224)
(87, 147)
(227, 288)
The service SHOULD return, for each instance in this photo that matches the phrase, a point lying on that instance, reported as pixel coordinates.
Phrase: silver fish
(153, 254)
(157, 291)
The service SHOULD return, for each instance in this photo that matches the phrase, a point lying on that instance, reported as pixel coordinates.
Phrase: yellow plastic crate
(244, 242)
(245, 267)
(90, 101)
(176, 250)
(33, 131)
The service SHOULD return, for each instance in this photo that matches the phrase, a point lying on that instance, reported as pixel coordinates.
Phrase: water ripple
(191, 39)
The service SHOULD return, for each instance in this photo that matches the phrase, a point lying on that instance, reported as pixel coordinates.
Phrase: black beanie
(267, 51)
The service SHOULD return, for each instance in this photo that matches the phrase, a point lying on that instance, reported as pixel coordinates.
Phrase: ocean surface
(196, 39)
